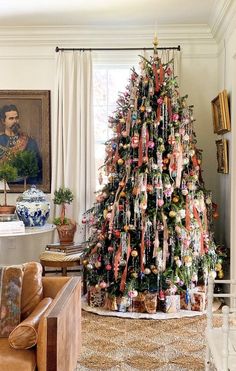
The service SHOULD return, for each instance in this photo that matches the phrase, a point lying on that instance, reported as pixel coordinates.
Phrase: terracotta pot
(66, 232)
(8, 209)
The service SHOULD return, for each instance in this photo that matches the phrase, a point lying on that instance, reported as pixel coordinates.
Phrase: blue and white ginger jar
(33, 208)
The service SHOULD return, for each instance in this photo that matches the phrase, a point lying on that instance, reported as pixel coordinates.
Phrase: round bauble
(102, 284)
(134, 253)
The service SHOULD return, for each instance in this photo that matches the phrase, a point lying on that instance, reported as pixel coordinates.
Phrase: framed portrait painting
(222, 156)
(220, 113)
(25, 126)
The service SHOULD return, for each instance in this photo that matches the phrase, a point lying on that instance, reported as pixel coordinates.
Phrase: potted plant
(27, 165)
(8, 173)
(66, 227)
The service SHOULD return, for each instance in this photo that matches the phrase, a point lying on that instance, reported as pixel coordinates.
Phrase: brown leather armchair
(59, 342)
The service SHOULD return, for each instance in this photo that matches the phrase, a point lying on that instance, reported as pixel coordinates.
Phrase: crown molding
(223, 19)
(95, 35)
(40, 42)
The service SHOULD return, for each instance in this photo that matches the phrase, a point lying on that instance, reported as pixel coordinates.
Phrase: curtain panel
(73, 160)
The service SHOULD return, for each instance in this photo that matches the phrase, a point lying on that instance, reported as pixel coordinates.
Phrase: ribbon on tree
(159, 76)
(179, 165)
(142, 248)
(198, 219)
(117, 261)
(169, 108)
(165, 240)
(187, 214)
(156, 244)
(124, 274)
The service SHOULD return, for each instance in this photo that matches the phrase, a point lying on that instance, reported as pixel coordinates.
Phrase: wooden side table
(64, 257)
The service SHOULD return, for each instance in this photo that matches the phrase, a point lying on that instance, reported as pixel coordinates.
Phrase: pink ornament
(151, 144)
(103, 284)
(135, 141)
(175, 117)
(133, 293)
(108, 217)
(160, 202)
(159, 100)
(108, 267)
(169, 71)
(110, 249)
(84, 220)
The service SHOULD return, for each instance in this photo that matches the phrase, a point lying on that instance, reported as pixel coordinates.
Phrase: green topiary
(26, 164)
(62, 196)
(8, 173)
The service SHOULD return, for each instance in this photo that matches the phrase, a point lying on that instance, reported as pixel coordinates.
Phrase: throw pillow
(32, 288)
(10, 298)
(25, 335)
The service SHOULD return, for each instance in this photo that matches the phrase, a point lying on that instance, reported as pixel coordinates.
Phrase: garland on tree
(151, 225)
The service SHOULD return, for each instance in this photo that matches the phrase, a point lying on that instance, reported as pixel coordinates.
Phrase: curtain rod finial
(155, 40)
(57, 49)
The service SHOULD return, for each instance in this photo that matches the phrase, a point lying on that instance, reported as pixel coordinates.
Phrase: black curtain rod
(96, 49)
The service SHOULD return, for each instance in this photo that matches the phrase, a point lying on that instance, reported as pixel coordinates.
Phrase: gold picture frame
(222, 156)
(220, 113)
(33, 108)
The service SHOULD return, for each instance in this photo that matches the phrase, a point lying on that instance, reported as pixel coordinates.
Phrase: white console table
(18, 248)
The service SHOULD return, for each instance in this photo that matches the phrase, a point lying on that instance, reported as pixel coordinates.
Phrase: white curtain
(73, 163)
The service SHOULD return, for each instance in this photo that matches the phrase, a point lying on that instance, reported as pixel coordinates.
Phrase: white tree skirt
(159, 315)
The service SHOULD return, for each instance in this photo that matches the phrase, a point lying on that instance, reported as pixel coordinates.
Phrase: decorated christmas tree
(151, 226)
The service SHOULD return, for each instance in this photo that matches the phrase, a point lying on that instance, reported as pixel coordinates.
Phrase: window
(107, 83)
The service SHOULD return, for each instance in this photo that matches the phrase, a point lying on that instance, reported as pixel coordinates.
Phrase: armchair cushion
(25, 335)
(10, 298)
(32, 288)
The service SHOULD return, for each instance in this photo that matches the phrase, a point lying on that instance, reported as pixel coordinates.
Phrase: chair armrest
(59, 334)
(52, 285)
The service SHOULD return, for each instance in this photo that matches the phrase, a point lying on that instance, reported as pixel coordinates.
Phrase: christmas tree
(151, 225)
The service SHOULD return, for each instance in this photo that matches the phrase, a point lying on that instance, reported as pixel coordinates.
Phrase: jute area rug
(111, 343)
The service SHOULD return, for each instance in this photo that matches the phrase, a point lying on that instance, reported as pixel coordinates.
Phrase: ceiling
(108, 12)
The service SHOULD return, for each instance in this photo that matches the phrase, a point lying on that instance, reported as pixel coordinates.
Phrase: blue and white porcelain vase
(33, 208)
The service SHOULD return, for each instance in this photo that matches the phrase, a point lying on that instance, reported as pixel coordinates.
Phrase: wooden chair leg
(84, 272)
(64, 271)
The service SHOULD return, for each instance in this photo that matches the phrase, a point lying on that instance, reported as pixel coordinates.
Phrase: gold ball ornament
(172, 214)
(134, 253)
(97, 264)
(120, 161)
(218, 267)
(126, 228)
(142, 108)
(155, 271)
(175, 199)
(221, 274)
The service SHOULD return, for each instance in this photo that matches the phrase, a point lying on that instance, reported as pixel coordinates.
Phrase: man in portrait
(13, 139)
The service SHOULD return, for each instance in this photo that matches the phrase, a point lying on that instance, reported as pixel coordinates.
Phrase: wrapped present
(110, 303)
(150, 302)
(184, 303)
(137, 304)
(198, 301)
(123, 303)
(194, 300)
(96, 297)
(172, 303)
